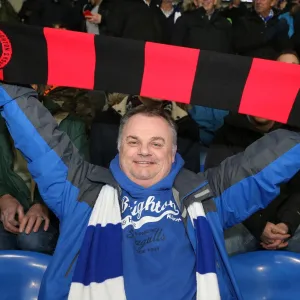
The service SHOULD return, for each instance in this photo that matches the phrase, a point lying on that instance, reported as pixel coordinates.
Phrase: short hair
(291, 52)
(148, 112)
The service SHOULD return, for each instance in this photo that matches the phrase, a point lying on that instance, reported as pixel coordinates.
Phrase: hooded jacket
(70, 186)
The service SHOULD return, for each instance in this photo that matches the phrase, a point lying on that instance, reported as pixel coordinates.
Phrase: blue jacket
(209, 121)
(236, 189)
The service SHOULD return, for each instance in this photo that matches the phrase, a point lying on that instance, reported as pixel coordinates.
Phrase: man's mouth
(146, 163)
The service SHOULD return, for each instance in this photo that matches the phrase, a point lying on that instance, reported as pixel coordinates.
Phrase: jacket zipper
(71, 265)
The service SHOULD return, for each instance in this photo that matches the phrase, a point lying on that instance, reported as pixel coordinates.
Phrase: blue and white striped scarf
(99, 270)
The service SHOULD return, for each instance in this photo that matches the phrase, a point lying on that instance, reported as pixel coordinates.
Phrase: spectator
(235, 10)
(261, 33)
(25, 220)
(168, 12)
(8, 13)
(76, 103)
(35, 228)
(137, 20)
(288, 15)
(203, 28)
(96, 23)
(296, 35)
(128, 218)
(106, 126)
(281, 215)
(209, 121)
(53, 13)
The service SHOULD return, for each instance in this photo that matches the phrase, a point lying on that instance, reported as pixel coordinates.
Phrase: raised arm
(249, 181)
(53, 161)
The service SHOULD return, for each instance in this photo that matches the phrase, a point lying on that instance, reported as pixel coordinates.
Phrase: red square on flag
(169, 72)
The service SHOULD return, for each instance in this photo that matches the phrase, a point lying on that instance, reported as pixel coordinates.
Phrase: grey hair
(149, 112)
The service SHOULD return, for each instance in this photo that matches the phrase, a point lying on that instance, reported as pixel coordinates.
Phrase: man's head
(289, 57)
(208, 5)
(147, 144)
(263, 7)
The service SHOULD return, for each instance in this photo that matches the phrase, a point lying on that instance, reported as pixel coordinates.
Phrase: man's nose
(144, 150)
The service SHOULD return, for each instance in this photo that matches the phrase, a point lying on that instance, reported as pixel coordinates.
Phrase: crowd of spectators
(267, 29)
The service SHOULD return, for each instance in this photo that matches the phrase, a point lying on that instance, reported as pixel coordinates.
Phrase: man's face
(208, 5)
(263, 7)
(146, 151)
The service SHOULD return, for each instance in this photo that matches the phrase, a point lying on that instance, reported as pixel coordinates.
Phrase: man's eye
(133, 143)
(157, 145)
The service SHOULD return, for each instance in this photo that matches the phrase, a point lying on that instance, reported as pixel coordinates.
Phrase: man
(26, 222)
(203, 28)
(277, 226)
(139, 230)
(261, 34)
(137, 20)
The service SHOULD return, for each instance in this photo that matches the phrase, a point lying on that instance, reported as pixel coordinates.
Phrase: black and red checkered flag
(240, 84)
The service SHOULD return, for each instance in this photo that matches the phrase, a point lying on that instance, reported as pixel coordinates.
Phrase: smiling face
(146, 150)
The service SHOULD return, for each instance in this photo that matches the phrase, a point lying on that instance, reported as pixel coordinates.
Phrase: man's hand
(34, 218)
(275, 236)
(95, 18)
(10, 207)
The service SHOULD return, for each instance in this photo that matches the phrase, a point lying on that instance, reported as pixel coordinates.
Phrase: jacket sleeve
(256, 224)
(179, 32)
(53, 160)
(289, 213)
(249, 181)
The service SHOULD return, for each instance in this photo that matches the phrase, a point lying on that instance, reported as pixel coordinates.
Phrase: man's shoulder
(187, 181)
(95, 180)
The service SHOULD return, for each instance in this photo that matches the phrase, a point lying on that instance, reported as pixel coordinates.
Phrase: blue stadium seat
(268, 275)
(21, 274)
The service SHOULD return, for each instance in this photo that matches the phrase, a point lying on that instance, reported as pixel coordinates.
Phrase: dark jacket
(234, 137)
(253, 37)
(296, 36)
(168, 23)
(194, 30)
(133, 19)
(47, 13)
(234, 13)
(105, 127)
(70, 187)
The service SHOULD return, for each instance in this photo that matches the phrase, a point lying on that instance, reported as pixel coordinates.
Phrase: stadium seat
(268, 275)
(21, 274)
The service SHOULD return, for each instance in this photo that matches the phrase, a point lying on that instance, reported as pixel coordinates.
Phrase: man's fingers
(20, 212)
(30, 224)
(10, 225)
(274, 245)
(37, 224)
(283, 245)
(47, 223)
(23, 224)
(278, 236)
